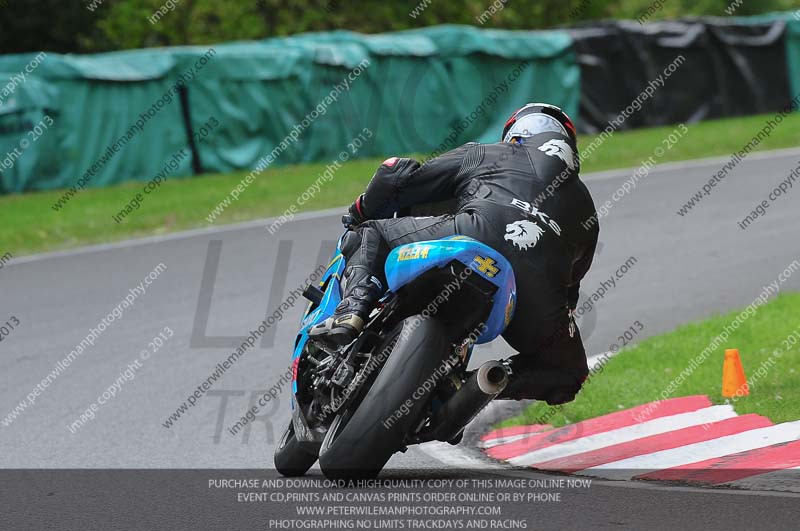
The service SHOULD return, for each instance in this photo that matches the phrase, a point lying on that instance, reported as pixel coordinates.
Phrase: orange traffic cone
(734, 382)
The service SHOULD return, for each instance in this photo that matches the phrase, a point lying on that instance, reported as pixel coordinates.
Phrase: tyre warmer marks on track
(684, 440)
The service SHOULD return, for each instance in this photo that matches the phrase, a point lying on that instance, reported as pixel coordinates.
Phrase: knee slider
(561, 395)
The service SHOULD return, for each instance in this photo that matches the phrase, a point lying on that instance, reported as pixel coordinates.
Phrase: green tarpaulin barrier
(793, 52)
(75, 121)
(114, 117)
(123, 116)
(253, 94)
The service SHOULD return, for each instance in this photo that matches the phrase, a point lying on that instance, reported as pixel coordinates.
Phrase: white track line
(209, 231)
(458, 458)
(453, 456)
(592, 362)
(693, 453)
(626, 434)
(690, 164)
(490, 443)
(205, 231)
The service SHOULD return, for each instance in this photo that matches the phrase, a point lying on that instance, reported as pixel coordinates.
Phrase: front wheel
(360, 442)
(291, 459)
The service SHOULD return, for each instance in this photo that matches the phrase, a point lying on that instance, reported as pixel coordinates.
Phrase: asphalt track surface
(686, 268)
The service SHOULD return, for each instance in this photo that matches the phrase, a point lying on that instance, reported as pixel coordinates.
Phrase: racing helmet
(535, 118)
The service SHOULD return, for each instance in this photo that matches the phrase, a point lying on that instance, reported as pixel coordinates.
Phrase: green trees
(97, 25)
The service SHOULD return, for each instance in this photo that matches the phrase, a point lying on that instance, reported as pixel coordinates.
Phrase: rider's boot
(361, 291)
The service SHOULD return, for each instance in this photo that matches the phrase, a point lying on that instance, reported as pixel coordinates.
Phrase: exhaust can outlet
(481, 388)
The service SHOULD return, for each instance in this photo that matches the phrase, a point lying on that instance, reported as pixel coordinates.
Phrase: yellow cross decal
(487, 266)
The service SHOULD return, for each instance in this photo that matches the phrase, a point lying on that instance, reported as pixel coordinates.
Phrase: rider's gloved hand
(355, 216)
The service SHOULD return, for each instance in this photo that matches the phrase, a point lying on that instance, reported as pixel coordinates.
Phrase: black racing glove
(355, 215)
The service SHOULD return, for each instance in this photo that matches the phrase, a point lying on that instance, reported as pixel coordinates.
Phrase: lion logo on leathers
(559, 148)
(524, 234)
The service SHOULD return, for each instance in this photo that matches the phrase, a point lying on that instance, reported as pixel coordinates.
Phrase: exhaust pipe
(482, 387)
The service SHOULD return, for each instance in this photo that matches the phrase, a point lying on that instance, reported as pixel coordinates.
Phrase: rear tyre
(361, 441)
(291, 459)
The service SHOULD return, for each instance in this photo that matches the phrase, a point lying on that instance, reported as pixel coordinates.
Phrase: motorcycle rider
(521, 196)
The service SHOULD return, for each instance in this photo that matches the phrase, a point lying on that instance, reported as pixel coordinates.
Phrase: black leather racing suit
(527, 202)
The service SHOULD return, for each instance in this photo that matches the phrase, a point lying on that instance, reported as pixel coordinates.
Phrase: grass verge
(640, 375)
(28, 224)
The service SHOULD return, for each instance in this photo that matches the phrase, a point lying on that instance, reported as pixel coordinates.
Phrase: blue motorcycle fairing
(416, 259)
(331, 298)
(409, 261)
